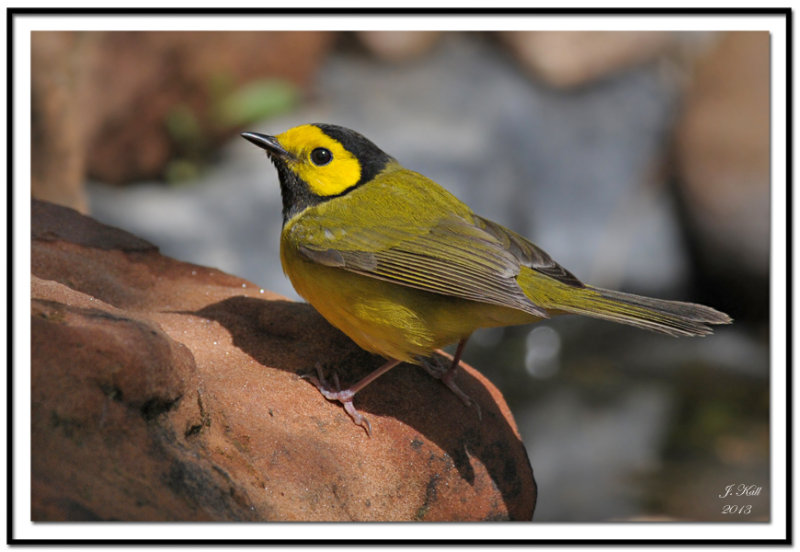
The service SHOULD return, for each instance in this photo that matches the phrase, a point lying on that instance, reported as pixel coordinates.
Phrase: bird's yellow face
(319, 162)
(322, 162)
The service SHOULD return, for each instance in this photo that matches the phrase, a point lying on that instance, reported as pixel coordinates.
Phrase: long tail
(670, 317)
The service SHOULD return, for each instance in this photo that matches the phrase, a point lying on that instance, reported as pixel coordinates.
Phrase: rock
(58, 138)
(166, 391)
(398, 46)
(573, 58)
(723, 153)
(107, 104)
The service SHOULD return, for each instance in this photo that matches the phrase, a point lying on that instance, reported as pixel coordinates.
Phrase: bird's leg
(448, 376)
(345, 397)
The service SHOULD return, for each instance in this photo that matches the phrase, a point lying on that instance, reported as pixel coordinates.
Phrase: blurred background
(639, 160)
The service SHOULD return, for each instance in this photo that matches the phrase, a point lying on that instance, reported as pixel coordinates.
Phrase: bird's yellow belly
(389, 319)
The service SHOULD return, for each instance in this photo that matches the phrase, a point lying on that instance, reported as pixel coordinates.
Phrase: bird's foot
(344, 397)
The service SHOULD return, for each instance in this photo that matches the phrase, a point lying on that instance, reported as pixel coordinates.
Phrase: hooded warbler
(403, 267)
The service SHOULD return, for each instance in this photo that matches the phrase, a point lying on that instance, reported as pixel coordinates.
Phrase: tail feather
(670, 317)
(674, 318)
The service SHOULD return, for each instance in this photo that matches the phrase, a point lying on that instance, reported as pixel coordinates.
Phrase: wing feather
(528, 254)
(460, 255)
(453, 258)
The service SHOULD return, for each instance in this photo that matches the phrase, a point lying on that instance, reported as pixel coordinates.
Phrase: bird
(403, 267)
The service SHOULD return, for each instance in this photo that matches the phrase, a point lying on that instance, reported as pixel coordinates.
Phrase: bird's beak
(268, 143)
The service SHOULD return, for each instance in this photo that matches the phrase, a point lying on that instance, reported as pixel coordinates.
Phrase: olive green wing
(476, 260)
(527, 253)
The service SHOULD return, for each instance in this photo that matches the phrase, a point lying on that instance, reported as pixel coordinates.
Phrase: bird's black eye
(321, 156)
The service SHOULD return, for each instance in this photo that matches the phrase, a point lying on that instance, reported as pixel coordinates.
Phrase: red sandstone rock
(169, 391)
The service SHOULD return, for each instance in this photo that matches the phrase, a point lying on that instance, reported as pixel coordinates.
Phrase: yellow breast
(388, 319)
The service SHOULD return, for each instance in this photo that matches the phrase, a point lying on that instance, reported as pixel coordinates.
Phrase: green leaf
(256, 101)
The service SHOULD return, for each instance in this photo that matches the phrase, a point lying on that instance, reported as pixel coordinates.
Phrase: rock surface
(163, 390)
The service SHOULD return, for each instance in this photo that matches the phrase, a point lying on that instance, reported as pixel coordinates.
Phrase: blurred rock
(59, 62)
(723, 149)
(573, 58)
(107, 104)
(398, 46)
(168, 391)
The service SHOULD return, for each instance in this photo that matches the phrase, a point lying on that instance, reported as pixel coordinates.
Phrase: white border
(399, 22)
(24, 529)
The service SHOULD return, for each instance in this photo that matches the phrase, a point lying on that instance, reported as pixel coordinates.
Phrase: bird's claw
(357, 417)
(345, 398)
(318, 380)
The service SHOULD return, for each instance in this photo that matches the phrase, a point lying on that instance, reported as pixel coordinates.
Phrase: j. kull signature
(741, 489)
